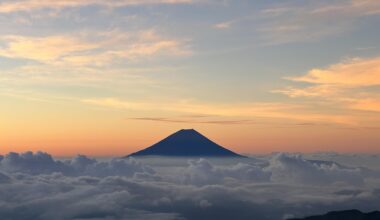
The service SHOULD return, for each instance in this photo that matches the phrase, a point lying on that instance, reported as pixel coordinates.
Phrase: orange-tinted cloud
(351, 73)
(80, 50)
(43, 49)
(346, 84)
(310, 91)
(367, 104)
(192, 121)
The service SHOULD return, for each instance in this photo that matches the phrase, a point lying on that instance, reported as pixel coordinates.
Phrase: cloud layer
(34, 185)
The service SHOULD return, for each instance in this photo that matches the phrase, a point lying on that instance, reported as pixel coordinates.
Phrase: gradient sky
(110, 77)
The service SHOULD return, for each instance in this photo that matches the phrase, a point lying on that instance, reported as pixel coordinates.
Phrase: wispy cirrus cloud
(86, 56)
(223, 25)
(288, 23)
(30, 5)
(91, 48)
(291, 23)
(309, 91)
(43, 49)
(194, 121)
(365, 104)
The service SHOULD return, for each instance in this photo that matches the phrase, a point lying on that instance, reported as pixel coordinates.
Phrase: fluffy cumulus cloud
(296, 169)
(4, 178)
(37, 186)
(43, 163)
(202, 172)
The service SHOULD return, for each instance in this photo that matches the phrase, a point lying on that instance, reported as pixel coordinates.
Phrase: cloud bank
(37, 186)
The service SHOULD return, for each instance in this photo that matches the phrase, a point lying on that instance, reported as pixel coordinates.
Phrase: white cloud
(42, 163)
(31, 163)
(295, 169)
(202, 172)
(4, 178)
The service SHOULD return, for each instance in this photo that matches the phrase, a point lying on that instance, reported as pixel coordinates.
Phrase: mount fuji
(186, 143)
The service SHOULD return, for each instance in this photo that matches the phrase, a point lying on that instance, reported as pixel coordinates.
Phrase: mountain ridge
(344, 215)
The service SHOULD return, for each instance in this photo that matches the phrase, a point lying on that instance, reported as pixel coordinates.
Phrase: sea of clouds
(277, 186)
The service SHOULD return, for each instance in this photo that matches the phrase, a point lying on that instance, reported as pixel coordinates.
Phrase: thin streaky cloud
(299, 23)
(365, 48)
(229, 122)
(80, 50)
(170, 120)
(223, 25)
(366, 104)
(196, 116)
(257, 110)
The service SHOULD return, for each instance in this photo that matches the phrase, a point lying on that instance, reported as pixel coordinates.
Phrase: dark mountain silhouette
(344, 215)
(186, 143)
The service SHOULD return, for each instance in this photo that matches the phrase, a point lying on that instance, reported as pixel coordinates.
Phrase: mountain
(344, 215)
(186, 143)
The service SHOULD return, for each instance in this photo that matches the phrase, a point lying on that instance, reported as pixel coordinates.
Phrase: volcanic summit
(186, 143)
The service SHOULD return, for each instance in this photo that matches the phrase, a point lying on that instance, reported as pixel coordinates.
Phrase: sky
(107, 78)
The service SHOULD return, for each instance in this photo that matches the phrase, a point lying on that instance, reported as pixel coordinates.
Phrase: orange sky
(65, 131)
